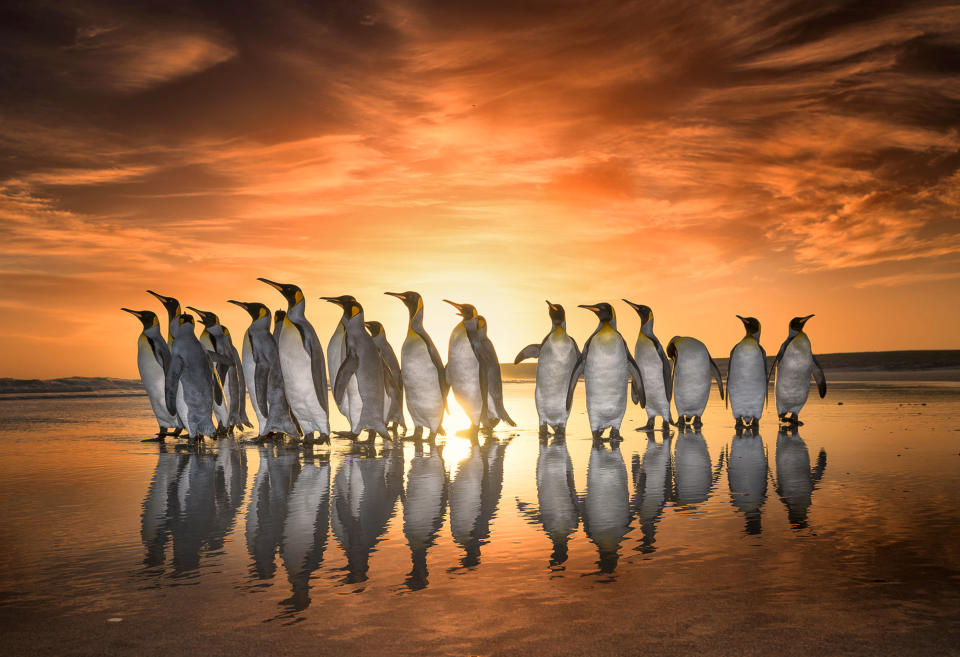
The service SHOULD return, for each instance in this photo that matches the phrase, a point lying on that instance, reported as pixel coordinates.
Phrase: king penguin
(556, 356)
(422, 371)
(174, 310)
(655, 367)
(234, 385)
(263, 375)
(466, 372)
(606, 365)
(153, 359)
(393, 394)
(495, 408)
(349, 401)
(794, 364)
(747, 376)
(302, 364)
(226, 373)
(691, 378)
(364, 367)
(192, 374)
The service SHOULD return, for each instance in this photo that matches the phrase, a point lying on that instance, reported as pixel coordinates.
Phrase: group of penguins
(191, 380)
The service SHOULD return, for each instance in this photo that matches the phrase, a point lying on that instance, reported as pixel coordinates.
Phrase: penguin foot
(544, 431)
(418, 434)
(156, 439)
(346, 434)
(615, 435)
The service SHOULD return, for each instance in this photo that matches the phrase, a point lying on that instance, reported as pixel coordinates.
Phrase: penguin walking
(747, 376)
(656, 370)
(422, 371)
(691, 378)
(606, 365)
(302, 364)
(216, 337)
(794, 364)
(393, 394)
(364, 367)
(556, 356)
(153, 359)
(469, 369)
(191, 386)
(263, 374)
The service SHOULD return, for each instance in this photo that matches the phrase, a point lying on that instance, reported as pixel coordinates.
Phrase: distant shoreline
(906, 366)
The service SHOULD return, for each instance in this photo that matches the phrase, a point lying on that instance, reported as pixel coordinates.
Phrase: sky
(707, 159)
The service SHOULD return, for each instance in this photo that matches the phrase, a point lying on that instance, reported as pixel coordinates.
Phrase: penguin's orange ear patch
(354, 310)
(298, 296)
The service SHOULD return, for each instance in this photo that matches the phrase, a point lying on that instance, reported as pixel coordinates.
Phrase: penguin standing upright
(606, 365)
(263, 373)
(393, 394)
(349, 401)
(216, 337)
(153, 359)
(422, 371)
(172, 306)
(495, 408)
(655, 367)
(691, 378)
(192, 374)
(747, 375)
(226, 373)
(466, 371)
(794, 364)
(556, 356)
(302, 363)
(364, 367)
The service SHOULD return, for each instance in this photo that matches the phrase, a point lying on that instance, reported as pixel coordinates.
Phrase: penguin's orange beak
(458, 306)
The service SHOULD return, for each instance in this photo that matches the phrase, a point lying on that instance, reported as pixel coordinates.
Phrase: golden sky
(707, 159)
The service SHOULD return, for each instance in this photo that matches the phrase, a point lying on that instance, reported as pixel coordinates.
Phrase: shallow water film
(839, 538)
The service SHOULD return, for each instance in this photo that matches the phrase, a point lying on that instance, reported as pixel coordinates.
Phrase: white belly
(793, 376)
(747, 381)
(152, 376)
(605, 377)
(691, 382)
(421, 383)
(463, 374)
(249, 375)
(554, 367)
(298, 382)
(651, 367)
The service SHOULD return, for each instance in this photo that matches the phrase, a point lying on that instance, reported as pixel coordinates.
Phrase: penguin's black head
(645, 312)
(751, 324)
(208, 319)
(171, 305)
(185, 318)
(412, 300)
(604, 311)
(279, 315)
(465, 310)
(292, 293)
(147, 317)
(557, 314)
(349, 304)
(254, 308)
(375, 328)
(796, 324)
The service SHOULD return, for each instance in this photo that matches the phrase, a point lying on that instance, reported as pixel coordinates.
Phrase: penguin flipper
(763, 354)
(261, 376)
(819, 377)
(318, 369)
(716, 373)
(160, 351)
(726, 403)
(391, 380)
(479, 352)
(667, 370)
(170, 384)
(216, 386)
(575, 376)
(638, 392)
(530, 351)
(347, 369)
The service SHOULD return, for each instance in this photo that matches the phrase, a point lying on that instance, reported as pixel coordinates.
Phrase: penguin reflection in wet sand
(191, 369)
(794, 364)
(303, 366)
(216, 337)
(263, 375)
(691, 378)
(556, 355)
(473, 370)
(656, 370)
(606, 506)
(393, 393)
(606, 364)
(364, 368)
(747, 376)
(424, 377)
(747, 477)
(153, 359)
(796, 479)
